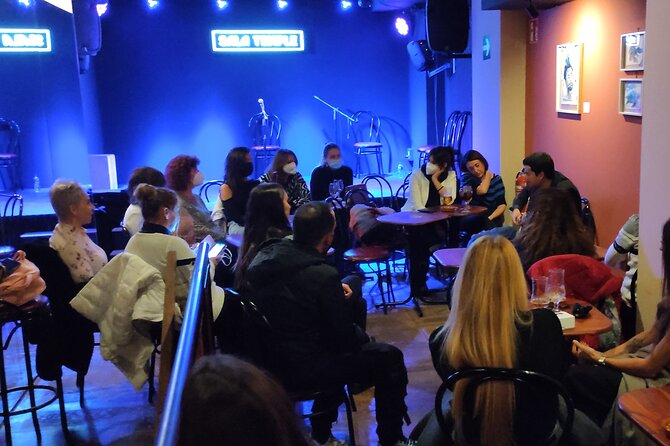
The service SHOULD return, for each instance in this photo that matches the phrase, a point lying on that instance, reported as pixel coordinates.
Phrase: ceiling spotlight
(222, 4)
(282, 4)
(25, 3)
(402, 26)
(101, 8)
(367, 4)
(153, 4)
(345, 5)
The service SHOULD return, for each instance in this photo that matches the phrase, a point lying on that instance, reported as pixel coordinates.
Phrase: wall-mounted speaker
(448, 25)
(420, 55)
(87, 31)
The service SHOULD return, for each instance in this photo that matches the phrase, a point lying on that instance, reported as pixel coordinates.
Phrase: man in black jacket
(314, 339)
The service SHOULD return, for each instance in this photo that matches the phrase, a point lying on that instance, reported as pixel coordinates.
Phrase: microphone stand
(336, 111)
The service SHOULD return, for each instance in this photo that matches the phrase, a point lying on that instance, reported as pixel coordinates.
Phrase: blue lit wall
(40, 91)
(162, 91)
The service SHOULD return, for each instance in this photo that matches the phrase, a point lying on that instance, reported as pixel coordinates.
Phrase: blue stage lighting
(282, 4)
(402, 26)
(101, 8)
(25, 3)
(222, 4)
(346, 4)
(153, 4)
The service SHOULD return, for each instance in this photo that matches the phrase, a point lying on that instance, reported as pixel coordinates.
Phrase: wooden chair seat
(450, 257)
(9, 312)
(368, 145)
(265, 148)
(367, 254)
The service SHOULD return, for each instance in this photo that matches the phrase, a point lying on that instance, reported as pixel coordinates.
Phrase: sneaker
(332, 441)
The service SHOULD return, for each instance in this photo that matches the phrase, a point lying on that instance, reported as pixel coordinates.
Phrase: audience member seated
(551, 227)
(74, 210)
(368, 231)
(132, 220)
(622, 253)
(182, 176)
(540, 174)
(331, 169)
(491, 325)
(234, 193)
(488, 191)
(229, 401)
(642, 361)
(433, 184)
(283, 171)
(315, 341)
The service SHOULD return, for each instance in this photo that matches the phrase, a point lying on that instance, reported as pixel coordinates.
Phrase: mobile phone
(216, 250)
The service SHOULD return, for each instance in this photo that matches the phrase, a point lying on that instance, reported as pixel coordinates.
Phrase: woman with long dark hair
(284, 171)
(267, 217)
(235, 190)
(642, 361)
(551, 227)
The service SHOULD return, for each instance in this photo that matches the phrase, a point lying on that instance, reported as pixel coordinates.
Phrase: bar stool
(366, 130)
(19, 316)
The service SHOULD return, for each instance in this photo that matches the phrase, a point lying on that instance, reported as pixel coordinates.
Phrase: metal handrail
(169, 422)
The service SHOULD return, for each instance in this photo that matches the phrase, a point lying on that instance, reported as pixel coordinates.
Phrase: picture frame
(632, 51)
(630, 97)
(569, 57)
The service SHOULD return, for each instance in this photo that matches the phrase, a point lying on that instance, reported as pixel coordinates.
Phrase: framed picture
(569, 58)
(630, 97)
(632, 52)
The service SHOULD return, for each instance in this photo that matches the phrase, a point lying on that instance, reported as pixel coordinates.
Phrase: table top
(450, 257)
(648, 409)
(432, 214)
(595, 323)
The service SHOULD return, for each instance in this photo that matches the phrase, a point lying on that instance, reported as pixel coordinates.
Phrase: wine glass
(466, 195)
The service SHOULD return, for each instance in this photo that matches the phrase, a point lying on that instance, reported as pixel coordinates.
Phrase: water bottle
(401, 168)
(36, 184)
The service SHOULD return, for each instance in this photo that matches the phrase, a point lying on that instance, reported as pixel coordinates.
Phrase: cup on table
(556, 286)
(538, 291)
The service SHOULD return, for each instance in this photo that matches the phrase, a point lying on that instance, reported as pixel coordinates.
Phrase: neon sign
(256, 41)
(25, 40)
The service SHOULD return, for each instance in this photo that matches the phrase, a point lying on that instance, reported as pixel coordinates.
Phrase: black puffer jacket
(302, 297)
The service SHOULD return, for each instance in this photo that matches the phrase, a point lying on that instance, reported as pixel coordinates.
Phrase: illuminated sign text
(252, 40)
(25, 40)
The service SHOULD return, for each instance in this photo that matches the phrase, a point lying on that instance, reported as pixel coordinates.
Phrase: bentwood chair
(10, 222)
(366, 127)
(9, 154)
(265, 134)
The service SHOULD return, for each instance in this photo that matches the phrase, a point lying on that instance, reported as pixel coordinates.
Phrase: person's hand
(439, 172)
(488, 175)
(19, 256)
(516, 216)
(348, 292)
(584, 353)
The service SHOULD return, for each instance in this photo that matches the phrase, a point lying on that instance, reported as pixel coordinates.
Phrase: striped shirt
(491, 199)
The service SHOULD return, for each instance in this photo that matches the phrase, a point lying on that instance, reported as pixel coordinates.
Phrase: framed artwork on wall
(569, 58)
(630, 97)
(632, 52)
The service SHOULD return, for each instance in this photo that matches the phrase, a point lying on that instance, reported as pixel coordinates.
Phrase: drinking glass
(538, 294)
(556, 286)
(466, 195)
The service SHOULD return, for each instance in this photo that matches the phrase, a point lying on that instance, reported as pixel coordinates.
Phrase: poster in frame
(632, 52)
(630, 97)
(569, 57)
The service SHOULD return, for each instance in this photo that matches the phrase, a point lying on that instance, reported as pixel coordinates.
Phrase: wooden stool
(20, 315)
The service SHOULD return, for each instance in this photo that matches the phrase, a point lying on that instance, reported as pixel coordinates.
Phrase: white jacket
(418, 189)
(126, 289)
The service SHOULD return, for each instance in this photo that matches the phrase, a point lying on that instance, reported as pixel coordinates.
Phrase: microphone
(262, 104)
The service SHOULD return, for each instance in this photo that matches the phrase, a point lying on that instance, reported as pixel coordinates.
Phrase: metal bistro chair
(366, 128)
(386, 196)
(203, 192)
(12, 210)
(457, 139)
(10, 153)
(265, 134)
(447, 132)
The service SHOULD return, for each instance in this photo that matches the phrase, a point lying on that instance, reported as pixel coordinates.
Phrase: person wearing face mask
(433, 184)
(283, 171)
(330, 170)
(234, 193)
(182, 175)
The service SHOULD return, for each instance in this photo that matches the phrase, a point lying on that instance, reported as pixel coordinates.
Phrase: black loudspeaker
(87, 27)
(448, 25)
(420, 55)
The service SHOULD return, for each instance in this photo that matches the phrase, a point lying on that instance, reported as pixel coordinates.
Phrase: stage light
(222, 4)
(345, 5)
(402, 26)
(101, 8)
(153, 4)
(282, 4)
(365, 4)
(25, 3)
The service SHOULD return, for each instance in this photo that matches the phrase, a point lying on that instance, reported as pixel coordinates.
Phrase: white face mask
(290, 168)
(431, 168)
(335, 164)
(198, 179)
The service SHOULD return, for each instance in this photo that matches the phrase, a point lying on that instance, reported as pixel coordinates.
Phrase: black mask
(247, 169)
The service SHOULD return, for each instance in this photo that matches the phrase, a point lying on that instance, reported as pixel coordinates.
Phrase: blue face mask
(335, 164)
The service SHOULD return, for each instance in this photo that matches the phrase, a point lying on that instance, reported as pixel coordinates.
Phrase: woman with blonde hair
(490, 325)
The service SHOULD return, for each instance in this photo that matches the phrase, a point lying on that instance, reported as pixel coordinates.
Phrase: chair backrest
(387, 198)
(588, 219)
(10, 224)
(458, 138)
(401, 195)
(366, 127)
(205, 188)
(449, 134)
(9, 136)
(359, 196)
(479, 376)
(265, 131)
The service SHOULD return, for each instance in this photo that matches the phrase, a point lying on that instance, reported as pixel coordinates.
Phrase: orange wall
(598, 151)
